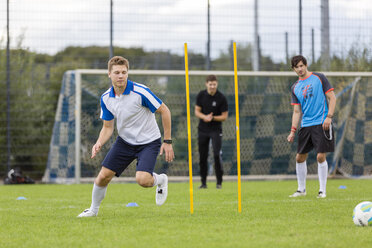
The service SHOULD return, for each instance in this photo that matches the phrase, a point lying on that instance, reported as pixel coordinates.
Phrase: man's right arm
(104, 136)
(296, 116)
(200, 115)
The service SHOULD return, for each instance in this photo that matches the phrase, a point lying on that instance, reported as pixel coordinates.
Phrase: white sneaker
(87, 213)
(321, 195)
(162, 192)
(298, 193)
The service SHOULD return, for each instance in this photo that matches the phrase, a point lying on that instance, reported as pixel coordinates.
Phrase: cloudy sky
(49, 26)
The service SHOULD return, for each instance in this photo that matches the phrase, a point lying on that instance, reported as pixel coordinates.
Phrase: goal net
(265, 120)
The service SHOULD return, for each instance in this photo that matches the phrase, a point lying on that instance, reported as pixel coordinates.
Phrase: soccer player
(313, 96)
(133, 106)
(212, 109)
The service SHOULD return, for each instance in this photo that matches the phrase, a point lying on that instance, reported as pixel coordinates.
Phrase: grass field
(269, 217)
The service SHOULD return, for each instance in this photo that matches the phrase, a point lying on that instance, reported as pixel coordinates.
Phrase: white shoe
(87, 213)
(298, 193)
(321, 195)
(162, 192)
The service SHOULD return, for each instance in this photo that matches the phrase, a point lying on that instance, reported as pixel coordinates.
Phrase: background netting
(265, 120)
(353, 154)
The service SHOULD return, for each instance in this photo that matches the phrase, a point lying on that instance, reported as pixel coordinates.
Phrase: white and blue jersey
(134, 113)
(310, 94)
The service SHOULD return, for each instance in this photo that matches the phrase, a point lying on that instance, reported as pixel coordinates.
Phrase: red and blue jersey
(310, 94)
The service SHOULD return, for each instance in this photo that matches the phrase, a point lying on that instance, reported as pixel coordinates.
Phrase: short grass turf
(269, 218)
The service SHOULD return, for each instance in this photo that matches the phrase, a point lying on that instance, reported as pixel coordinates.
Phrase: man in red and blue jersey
(313, 98)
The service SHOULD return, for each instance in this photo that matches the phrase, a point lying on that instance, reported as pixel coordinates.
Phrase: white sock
(158, 179)
(322, 174)
(98, 193)
(301, 172)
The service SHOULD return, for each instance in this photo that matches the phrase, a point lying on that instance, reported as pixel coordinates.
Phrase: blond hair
(117, 60)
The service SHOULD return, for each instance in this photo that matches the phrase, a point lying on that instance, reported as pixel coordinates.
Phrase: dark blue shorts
(122, 154)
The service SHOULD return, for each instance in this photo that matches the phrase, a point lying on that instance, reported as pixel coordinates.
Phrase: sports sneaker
(87, 213)
(219, 186)
(162, 192)
(298, 193)
(203, 186)
(321, 195)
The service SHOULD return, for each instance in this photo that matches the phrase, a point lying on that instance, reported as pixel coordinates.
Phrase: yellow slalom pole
(237, 130)
(189, 129)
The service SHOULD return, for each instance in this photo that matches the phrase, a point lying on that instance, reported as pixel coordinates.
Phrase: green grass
(269, 217)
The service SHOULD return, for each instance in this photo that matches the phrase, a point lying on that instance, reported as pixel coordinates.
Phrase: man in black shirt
(212, 109)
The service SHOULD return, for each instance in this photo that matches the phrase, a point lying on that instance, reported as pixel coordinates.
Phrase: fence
(48, 39)
(165, 26)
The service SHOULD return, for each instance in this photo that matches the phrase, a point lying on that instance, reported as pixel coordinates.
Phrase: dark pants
(203, 141)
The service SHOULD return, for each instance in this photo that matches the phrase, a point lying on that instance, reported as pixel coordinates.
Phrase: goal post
(265, 118)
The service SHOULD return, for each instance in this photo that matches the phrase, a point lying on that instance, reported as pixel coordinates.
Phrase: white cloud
(356, 9)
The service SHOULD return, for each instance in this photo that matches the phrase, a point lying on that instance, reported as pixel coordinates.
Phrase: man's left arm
(224, 111)
(221, 117)
(167, 127)
(331, 109)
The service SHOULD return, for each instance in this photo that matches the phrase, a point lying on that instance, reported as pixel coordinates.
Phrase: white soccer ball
(362, 214)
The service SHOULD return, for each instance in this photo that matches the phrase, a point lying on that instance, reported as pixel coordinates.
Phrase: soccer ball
(362, 214)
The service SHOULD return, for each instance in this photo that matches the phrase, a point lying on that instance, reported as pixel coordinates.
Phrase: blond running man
(133, 106)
